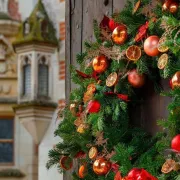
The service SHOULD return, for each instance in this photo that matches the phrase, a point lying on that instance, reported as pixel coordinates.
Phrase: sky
(26, 7)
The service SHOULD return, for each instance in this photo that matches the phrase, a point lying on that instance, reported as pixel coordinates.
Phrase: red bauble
(101, 166)
(93, 106)
(112, 24)
(100, 64)
(151, 46)
(135, 79)
(175, 143)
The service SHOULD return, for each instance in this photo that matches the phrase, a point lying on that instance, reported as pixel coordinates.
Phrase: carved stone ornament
(2, 51)
(6, 88)
(5, 47)
(3, 67)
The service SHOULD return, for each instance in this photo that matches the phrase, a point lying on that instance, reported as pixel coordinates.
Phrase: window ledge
(35, 103)
(11, 173)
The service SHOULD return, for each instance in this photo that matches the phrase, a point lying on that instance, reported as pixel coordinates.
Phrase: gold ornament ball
(100, 64)
(119, 34)
(166, 5)
(176, 80)
(173, 8)
(101, 166)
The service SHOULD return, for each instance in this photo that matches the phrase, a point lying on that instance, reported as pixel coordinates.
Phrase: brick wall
(62, 30)
(13, 9)
(61, 103)
(62, 70)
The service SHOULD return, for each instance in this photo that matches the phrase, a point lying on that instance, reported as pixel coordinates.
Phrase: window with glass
(43, 77)
(27, 77)
(6, 141)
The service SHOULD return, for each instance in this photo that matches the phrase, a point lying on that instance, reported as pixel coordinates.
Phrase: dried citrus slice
(176, 167)
(91, 87)
(161, 47)
(112, 79)
(136, 7)
(93, 152)
(163, 60)
(66, 163)
(82, 128)
(168, 166)
(133, 53)
(78, 121)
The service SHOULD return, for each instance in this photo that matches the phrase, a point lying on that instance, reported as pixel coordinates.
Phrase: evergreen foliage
(132, 145)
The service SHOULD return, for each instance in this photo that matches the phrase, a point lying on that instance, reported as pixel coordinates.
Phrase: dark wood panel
(76, 31)
(94, 9)
(68, 46)
(118, 5)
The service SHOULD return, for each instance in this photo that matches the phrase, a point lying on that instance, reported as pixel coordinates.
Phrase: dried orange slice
(82, 128)
(176, 167)
(78, 121)
(91, 87)
(66, 163)
(133, 53)
(112, 79)
(163, 60)
(136, 7)
(93, 152)
(161, 47)
(168, 166)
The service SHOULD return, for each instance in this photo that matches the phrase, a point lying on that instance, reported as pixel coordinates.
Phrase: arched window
(43, 77)
(27, 77)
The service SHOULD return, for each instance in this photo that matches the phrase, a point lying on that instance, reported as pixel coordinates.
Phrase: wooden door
(79, 27)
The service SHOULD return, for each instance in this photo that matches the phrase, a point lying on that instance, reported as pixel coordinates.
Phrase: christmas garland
(139, 44)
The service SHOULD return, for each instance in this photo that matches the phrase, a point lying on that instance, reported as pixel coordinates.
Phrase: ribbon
(81, 155)
(142, 174)
(86, 76)
(142, 32)
(118, 176)
(123, 97)
(108, 23)
(115, 167)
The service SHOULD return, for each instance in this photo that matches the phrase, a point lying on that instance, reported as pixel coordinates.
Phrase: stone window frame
(48, 63)
(22, 64)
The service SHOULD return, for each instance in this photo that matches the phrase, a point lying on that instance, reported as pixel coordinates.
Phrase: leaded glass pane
(27, 79)
(43, 80)
(6, 152)
(6, 129)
